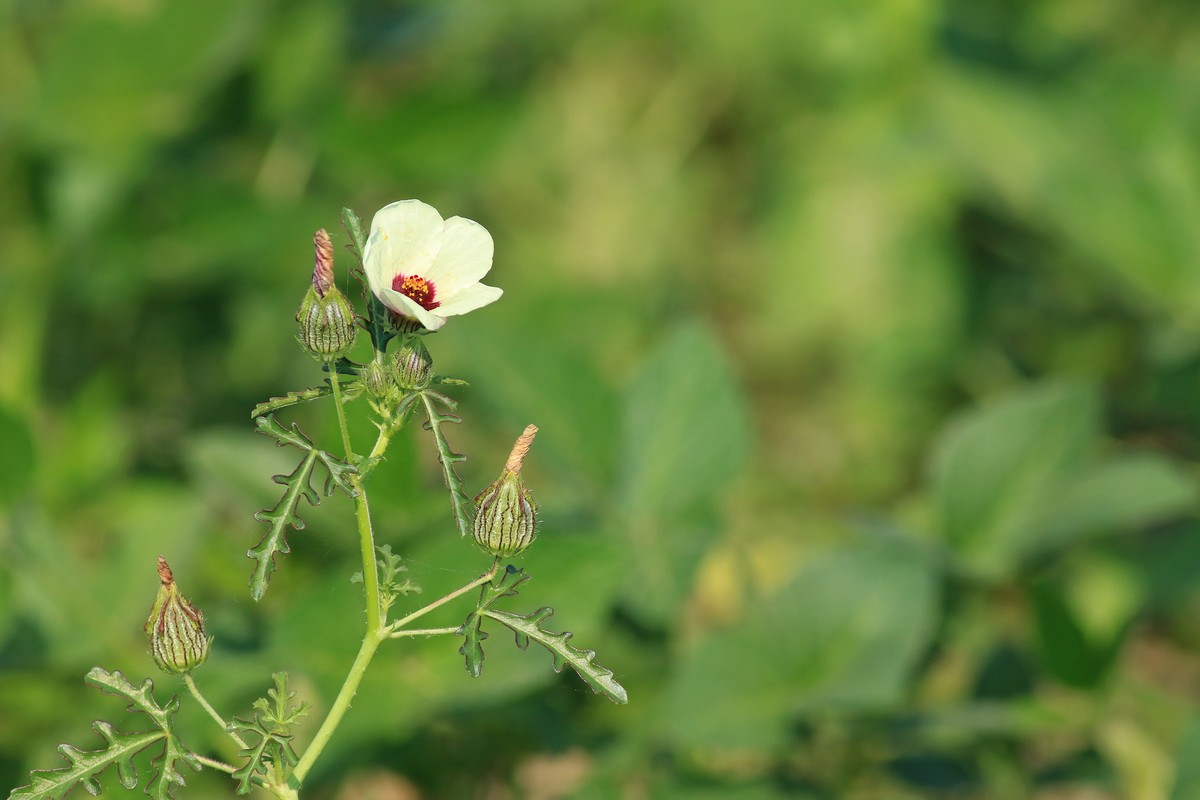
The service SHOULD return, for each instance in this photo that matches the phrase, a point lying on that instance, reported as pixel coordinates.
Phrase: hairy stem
(441, 601)
(423, 632)
(212, 712)
(336, 382)
(358, 669)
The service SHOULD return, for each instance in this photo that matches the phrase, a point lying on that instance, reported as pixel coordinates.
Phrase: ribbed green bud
(377, 380)
(411, 363)
(505, 513)
(327, 328)
(326, 318)
(175, 627)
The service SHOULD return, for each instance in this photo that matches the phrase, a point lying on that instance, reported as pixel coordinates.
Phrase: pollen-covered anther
(420, 290)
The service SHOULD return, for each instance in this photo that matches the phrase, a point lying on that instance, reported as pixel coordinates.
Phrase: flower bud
(412, 364)
(377, 380)
(175, 627)
(505, 513)
(327, 328)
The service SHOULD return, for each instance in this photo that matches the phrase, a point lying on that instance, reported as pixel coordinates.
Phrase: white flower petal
(406, 306)
(464, 258)
(469, 299)
(405, 239)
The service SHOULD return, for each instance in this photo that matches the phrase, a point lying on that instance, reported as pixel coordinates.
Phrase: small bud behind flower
(175, 627)
(412, 364)
(377, 380)
(505, 513)
(327, 328)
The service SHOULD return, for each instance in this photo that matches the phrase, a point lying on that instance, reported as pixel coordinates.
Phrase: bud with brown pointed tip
(327, 327)
(505, 513)
(176, 628)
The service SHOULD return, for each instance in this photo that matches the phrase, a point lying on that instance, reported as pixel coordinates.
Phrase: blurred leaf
(844, 633)
(540, 379)
(1015, 478)
(1187, 765)
(686, 431)
(686, 439)
(18, 461)
(1119, 493)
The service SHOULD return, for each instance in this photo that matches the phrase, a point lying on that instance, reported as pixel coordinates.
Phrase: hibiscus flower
(425, 268)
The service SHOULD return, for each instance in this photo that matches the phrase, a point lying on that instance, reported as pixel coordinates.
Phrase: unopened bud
(377, 380)
(412, 364)
(175, 627)
(505, 513)
(327, 328)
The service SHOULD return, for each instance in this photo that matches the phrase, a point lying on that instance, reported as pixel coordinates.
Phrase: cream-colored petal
(469, 299)
(464, 258)
(405, 239)
(406, 306)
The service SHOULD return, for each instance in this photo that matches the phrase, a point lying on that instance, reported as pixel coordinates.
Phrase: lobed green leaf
(529, 627)
(463, 506)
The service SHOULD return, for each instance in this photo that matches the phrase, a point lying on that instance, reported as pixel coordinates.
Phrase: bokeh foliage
(863, 339)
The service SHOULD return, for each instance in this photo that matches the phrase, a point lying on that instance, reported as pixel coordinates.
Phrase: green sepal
(285, 512)
(528, 627)
(502, 585)
(462, 505)
(378, 322)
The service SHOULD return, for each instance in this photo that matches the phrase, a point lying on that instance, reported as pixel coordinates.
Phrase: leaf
(339, 472)
(84, 766)
(463, 506)
(1022, 476)
(19, 457)
(686, 437)
(291, 399)
(686, 428)
(279, 517)
(141, 698)
(843, 634)
(121, 748)
(471, 630)
(1187, 770)
(271, 723)
(582, 661)
(285, 512)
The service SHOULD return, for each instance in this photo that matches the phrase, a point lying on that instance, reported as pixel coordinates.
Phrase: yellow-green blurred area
(863, 337)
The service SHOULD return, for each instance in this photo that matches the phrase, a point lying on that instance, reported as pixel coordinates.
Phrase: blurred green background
(864, 339)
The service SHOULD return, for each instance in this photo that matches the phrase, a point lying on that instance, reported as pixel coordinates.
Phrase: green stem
(214, 764)
(359, 668)
(441, 601)
(212, 712)
(336, 382)
(423, 632)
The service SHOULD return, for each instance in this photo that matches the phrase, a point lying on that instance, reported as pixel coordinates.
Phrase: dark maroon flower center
(417, 289)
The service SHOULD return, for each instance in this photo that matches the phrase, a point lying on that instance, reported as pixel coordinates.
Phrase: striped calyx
(505, 513)
(175, 627)
(411, 364)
